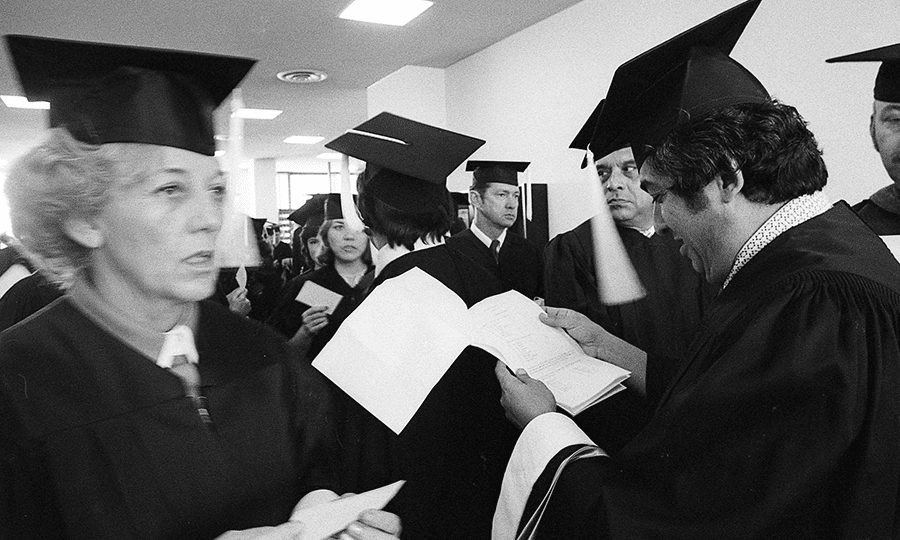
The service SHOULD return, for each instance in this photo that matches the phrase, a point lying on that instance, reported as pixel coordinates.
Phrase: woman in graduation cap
(346, 260)
(131, 409)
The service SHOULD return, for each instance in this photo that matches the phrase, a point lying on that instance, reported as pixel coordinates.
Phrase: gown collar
(121, 324)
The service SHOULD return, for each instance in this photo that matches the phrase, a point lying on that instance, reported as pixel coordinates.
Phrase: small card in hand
(313, 294)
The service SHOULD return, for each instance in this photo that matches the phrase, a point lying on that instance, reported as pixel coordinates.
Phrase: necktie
(495, 250)
(179, 355)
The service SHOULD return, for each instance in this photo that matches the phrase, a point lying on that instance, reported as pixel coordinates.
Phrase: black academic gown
(287, 317)
(783, 420)
(10, 256)
(880, 220)
(26, 297)
(454, 450)
(98, 442)
(520, 265)
(664, 321)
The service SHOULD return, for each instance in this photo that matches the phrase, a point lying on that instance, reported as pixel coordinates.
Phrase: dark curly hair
(768, 142)
(404, 228)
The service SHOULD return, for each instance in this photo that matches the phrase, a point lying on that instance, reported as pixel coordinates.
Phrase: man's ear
(474, 198)
(86, 232)
(730, 184)
(872, 132)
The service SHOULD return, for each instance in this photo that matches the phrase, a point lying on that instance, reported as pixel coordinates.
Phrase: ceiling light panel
(393, 12)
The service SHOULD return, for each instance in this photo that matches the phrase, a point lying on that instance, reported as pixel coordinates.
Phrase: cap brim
(408, 147)
(889, 53)
(518, 166)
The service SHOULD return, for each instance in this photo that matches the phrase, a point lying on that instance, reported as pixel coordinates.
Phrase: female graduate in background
(346, 270)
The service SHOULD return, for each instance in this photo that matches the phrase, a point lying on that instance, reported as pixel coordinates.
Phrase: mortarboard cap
(675, 82)
(586, 133)
(887, 82)
(312, 209)
(333, 208)
(583, 139)
(501, 172)
(104, 93)
(258, 225)
(407, 162)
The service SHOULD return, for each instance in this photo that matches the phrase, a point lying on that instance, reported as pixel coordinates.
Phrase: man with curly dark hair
(782, 420)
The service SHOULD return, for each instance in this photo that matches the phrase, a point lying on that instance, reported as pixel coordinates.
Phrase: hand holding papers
(326, 519)
(509, 328)
(389, 364)
(313, 294)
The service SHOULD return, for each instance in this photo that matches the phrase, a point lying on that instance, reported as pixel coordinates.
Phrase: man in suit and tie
(495, 196)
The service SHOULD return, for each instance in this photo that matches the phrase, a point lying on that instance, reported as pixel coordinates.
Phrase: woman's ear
(85, 232)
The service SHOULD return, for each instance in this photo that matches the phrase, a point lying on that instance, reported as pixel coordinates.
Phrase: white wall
(529, 94)
(414, 92)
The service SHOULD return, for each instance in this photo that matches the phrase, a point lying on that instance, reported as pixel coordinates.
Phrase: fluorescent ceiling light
(303, 139)
(393, 12)
(258, 114)
(220, 153)
(21, 102)
(329, 155)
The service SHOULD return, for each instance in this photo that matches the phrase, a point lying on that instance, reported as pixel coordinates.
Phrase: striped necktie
(179, 355)
(495, 250)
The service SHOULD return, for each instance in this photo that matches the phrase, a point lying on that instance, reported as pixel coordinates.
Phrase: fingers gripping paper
(395, 347)
(617, 281)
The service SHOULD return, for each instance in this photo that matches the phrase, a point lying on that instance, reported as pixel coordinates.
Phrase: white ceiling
(283, 35)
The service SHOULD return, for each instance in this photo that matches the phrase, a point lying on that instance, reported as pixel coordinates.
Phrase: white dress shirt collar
(793, 213)
(485, 239)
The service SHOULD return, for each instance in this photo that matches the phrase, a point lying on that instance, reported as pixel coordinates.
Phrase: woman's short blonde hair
(60, 179)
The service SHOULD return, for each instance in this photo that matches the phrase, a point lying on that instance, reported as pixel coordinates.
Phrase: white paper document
(395, 347)
(324, 520)
(508, 327)
(313, 294)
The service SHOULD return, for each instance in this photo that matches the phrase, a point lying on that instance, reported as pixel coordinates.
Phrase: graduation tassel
(617, 280)
(234, 247)
(348, 208)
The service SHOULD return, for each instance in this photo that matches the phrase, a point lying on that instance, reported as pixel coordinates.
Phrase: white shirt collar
(388, 254)
(646, 232)
(485, 239)
(179, 341)
(793, 213)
